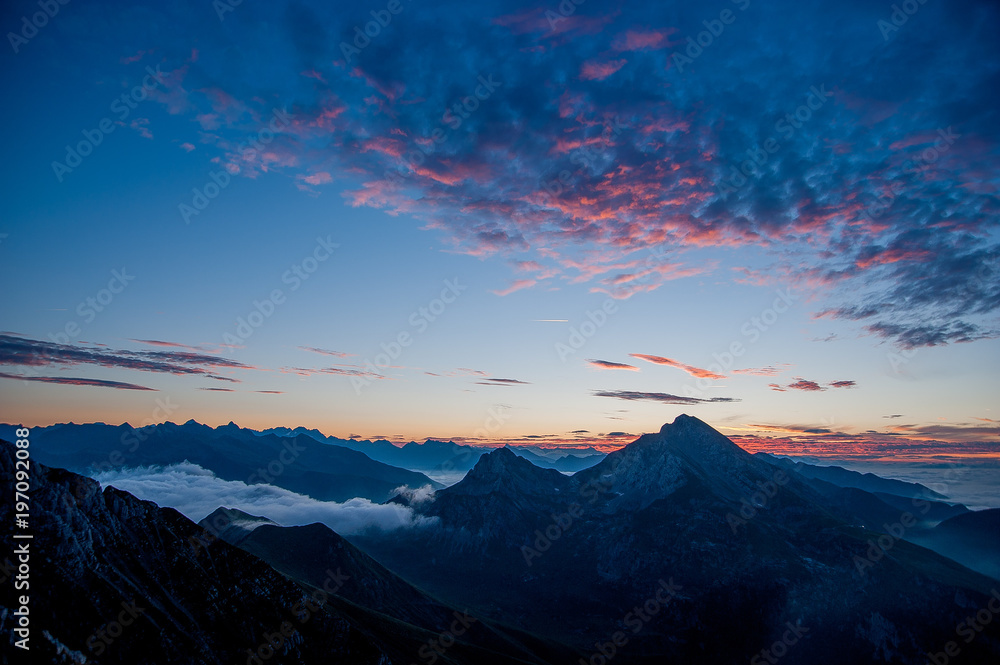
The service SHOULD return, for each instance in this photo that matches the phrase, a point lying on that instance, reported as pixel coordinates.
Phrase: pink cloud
(642, 40)
(517, 285)
(690, 369)
(594, 70)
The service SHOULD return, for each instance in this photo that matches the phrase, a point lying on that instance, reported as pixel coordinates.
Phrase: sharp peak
(684, 421)
(499, 459)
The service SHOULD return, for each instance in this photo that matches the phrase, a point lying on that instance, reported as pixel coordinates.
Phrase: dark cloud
(802, 429)
(73, 381)
(501, 382)
(664, 398)
(799, 384)
(607, 364)
(22, 351)
(843, 384)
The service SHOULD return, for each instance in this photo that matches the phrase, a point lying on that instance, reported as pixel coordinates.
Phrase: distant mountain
(873, 509)
(566, 463)
(754, 549)
(442, 456)
(972, 539)
(116, 580)
(846, 478)
(297, 463)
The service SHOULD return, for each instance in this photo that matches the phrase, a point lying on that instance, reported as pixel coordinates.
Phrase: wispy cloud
(607, 364)
(326, 352)
(516, 285)
(501, 382)
(22, 351)
(690, 369)
(337, 370)
(75, 381)
(664, 398)
(770, 370)
(807, 385)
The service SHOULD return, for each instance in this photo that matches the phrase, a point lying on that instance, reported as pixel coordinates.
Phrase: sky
(552, 223)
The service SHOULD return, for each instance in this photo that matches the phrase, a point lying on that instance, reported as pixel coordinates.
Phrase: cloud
(948, 432)
(642, 40)
(771, 370)
(219, 390)
(800, 429)
(693, 371)
(415, 496)
(340, 370)
(811, 386)
(598, 70)
(665, 398)
(501, 382)
(517, 285)
(607, 364)
(326, 352)
(196, 492)
(35, 353)
(806, 385)
(73, 381)
(627, 152)
(843, 384)
(174, 345)
(895, 415)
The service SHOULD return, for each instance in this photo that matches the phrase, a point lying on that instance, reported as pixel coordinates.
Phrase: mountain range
(679, 547)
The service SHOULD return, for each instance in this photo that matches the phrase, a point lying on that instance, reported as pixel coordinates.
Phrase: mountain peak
(692, 436)
(685, 422)
(502, 470)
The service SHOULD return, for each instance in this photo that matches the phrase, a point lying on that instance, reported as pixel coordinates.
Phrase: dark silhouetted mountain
(752, 546)
(117, 580)
(872, 510)
(846, 478)
(308, 554)
(972, 539)
(298, 463)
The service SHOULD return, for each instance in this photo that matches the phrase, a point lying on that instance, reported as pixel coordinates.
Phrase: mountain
(308, 554)
(972, 539)
(297, 463)
(117, 580)
(441, 456)
(566, 463)
(871, 510)
(748, 550)
(842, 477)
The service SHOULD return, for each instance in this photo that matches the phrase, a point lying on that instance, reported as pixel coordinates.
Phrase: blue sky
(589, 166)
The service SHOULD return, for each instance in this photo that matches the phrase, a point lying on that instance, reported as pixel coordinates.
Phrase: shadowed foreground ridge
(199, 600)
